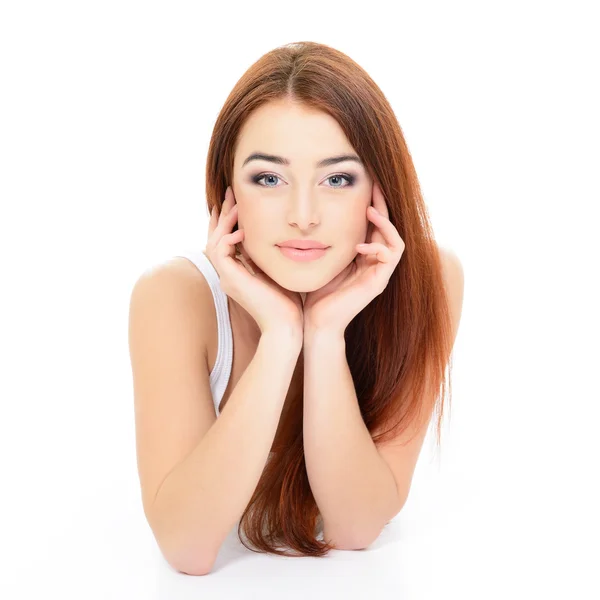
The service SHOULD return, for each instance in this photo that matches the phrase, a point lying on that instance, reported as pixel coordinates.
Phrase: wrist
(287, 336)
(314, 336)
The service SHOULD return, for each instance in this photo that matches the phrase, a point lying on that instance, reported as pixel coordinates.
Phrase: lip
(302, 244)
(302, 255)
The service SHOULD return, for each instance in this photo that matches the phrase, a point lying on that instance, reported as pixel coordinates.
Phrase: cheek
(258, 227)
(356, 227)
(252, 220)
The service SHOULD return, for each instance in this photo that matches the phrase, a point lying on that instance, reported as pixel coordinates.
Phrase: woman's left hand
(333, 306)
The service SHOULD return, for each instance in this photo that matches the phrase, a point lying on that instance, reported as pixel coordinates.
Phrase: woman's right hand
(273, 307)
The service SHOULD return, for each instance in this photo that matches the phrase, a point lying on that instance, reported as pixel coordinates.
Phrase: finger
(228, 219)
(390, 234)
(223, 210)
(229, 198)
(227, 202)
(213, 217)
(227, 242)
(382, 252)
(370, 231)
(378, 201)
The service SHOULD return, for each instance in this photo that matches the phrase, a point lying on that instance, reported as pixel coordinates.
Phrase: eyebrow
(279, 160)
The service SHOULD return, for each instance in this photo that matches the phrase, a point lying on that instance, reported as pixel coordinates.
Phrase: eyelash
(349, 178)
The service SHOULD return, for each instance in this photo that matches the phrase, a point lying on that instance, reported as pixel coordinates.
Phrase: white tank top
(219, 376)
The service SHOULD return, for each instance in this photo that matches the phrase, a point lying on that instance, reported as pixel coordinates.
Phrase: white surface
(106, 111)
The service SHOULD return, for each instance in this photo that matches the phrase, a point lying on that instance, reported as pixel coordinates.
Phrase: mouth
(301, 255)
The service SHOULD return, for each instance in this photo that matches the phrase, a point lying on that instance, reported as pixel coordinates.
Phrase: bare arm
(204, 495)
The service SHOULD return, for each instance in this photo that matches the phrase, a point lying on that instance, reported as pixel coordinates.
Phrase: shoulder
(175, 288)
(454, 281)
(452, 267)
(178, 275)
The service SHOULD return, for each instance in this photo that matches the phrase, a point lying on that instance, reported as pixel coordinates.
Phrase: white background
(106, 109)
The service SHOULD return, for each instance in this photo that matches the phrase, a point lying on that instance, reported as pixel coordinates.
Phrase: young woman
(292, 389)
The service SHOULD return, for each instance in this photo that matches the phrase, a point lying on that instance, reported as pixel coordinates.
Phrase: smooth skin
(277, 202)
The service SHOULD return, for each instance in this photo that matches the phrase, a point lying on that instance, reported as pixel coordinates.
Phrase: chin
(294, 283)
(309, 280)
(304, 277)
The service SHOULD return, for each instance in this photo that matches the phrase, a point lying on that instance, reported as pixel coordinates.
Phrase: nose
(303, 211)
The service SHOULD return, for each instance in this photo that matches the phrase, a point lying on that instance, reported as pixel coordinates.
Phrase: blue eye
(349, 178)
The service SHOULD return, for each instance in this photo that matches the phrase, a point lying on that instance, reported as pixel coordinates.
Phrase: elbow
(191, 564)
(358, 540)
(186, 557)
(203, 568)
(361, 543)
(190, 557)
(346, 542)
(351, 544)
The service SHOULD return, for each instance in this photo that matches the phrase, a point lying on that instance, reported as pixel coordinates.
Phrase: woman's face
(300, 200)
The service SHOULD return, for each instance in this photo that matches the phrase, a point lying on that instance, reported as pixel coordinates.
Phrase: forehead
(289, 129)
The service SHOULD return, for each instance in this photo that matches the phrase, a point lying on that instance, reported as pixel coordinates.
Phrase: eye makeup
(350, 179)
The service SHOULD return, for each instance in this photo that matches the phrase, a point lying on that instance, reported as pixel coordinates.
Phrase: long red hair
(399, 346)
